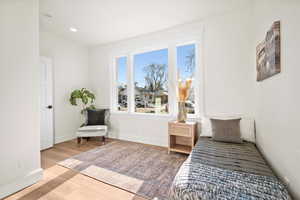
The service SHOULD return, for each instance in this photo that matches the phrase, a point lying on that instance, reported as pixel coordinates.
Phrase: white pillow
(247, 126)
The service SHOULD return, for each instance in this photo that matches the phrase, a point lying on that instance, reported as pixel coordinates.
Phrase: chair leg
(78, 140)
(103, 139)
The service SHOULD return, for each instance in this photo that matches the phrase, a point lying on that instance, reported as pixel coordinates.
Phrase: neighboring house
(142, 94)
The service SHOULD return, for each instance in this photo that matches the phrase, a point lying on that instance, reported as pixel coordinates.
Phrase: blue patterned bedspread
(223, 171)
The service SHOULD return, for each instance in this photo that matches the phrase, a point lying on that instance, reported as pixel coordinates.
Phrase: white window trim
(132, 103)
(130, 79)
(197, 80)
(114, 85)
(172, 81)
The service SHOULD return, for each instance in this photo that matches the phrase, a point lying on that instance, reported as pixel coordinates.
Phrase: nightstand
(182, 136)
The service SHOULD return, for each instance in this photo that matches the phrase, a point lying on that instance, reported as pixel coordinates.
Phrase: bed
(218, 170)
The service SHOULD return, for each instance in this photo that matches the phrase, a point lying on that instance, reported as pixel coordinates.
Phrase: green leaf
(92, 107)
(84, 95)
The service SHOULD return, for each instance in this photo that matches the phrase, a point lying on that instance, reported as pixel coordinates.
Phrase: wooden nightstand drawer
(180, 130)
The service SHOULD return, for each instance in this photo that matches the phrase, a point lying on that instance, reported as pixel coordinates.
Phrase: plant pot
(182, 112)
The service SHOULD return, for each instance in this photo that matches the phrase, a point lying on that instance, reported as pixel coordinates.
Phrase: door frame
(49, 62)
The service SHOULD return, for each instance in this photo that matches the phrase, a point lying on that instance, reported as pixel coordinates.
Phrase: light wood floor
(60, 183)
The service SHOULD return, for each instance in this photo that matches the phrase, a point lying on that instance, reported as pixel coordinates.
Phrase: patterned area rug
(142, 169)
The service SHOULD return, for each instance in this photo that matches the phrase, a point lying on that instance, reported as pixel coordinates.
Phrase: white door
(47, 133)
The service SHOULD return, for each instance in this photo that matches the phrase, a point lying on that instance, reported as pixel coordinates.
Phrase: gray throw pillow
(96, 117)
(226, 130)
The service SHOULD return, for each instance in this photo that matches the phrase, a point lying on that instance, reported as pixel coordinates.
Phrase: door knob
(49, 107)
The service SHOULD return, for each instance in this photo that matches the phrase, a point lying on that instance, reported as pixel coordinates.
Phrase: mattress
(217, 170)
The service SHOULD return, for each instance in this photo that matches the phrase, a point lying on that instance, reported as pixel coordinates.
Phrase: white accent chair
(93, 130)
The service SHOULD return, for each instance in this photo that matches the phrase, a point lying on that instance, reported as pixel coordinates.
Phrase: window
(145, 82)
(122, 103)
(186, 70)
(151, 82)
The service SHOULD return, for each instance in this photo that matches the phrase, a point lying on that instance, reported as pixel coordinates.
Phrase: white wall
(278, 98)
(70, 66)
(19, 102)
(227, 68)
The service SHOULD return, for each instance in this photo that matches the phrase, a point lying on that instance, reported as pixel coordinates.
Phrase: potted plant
(86, 97)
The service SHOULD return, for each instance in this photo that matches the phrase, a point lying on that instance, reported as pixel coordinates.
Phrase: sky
(144, 59)
(182, 53)
(122, 69)
(156, 57)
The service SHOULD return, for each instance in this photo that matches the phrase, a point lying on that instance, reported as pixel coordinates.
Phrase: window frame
(114, 96)
(197, 78)
(172, 81)
(133, 76)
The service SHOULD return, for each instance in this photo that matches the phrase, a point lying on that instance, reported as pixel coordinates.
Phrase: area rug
(145, 170)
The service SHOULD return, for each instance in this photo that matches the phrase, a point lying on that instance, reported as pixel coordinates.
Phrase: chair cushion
(93, 128)
(91, 133)
(96, 117)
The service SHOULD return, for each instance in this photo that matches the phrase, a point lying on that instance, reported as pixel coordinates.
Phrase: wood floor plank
(60, 183)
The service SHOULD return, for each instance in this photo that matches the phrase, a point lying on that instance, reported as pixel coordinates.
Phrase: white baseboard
(64, 138)
(21, 183)
(157, 142)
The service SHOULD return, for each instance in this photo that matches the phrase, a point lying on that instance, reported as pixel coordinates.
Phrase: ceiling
(105, 21)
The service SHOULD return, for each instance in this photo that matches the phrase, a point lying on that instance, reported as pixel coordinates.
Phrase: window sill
(194, 116)
(152, 115)
(143, 115)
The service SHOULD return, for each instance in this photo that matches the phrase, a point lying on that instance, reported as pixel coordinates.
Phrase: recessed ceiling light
(73, 29)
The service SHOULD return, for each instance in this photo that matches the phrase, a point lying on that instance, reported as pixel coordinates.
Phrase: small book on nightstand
(182, 136)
